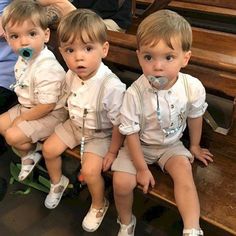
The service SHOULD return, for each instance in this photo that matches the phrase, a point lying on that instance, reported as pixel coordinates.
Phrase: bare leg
(186, 196)
(91, 171)
(17, 139)
(5, 123)
(124, 185)
(53, 147)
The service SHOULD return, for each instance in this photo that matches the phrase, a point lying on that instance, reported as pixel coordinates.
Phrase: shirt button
(169, 92)
(171, 124)
(82, 83)
(172, 106)
(72, 117)
(74, 94)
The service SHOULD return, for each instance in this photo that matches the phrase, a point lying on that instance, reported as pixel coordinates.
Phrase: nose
(24, 41)
(79, 56)
(157, 65)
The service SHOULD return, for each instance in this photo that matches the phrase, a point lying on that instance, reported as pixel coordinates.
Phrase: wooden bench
(216, 183)
(214, 63)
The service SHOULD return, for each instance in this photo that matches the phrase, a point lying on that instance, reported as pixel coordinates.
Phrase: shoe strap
(193, 232)
(30, 156)
(54, 186)
(126, 227)
(102, 209)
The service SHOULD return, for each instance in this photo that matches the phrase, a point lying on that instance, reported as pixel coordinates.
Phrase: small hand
(108, 160)
(202, 154)
(17, 120)
(145, 179)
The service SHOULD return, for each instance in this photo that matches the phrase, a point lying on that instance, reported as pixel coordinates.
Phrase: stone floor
(26, 215)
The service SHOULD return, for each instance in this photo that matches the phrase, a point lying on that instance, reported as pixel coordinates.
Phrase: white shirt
(174, 104)
(39, 80)
(84, 94)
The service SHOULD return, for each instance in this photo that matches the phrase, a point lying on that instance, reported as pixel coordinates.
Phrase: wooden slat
(226, 8)
(203, 8)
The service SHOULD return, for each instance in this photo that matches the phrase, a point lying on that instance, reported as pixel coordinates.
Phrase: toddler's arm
(144, 175)
(35, 113)
(195, 132)
(116, 142)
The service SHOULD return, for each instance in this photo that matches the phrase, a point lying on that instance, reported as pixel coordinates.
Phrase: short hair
(84, 24)
(20, 10)
(164, 24)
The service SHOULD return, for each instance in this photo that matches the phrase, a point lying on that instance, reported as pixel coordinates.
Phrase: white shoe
(94, 217)
(127, 230)
(56, 192)
(26, 169)
(192, 232)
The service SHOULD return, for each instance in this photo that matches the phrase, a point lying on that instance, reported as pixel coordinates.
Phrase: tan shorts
(38, 130)
(95, 142)
(152, 154)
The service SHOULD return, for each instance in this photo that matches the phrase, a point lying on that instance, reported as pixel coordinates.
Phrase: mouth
(80, 67)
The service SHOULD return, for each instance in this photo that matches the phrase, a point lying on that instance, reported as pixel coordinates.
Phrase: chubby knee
(10, 138)
(123, 183)
(180, 165)
(90, 173)
(48, 150)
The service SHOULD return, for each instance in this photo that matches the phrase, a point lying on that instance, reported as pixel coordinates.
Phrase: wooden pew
(214, 63)
(216, 183)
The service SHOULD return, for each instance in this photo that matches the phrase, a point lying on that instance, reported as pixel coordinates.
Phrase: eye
(69, 50)
(88, 48)
(33, 34)
(13, 36)
(147, 57)
(169, 57)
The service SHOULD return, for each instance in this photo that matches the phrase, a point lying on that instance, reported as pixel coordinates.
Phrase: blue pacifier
(26, 53)
(157, 82)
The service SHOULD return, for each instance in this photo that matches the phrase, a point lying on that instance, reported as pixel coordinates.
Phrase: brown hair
(164, 24)
(20, 10)
(82, 23)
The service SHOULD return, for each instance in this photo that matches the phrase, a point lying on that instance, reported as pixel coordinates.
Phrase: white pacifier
(157, 82)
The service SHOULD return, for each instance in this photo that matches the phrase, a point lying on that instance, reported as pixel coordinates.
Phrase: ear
(105, 49)
(139, 56)
(6, 37)
(47, 35)
(60, 50)
(186, 58)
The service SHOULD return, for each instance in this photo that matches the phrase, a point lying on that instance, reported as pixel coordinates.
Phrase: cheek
(147, 68)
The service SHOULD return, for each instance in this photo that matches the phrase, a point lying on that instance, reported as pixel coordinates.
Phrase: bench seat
(216, 184)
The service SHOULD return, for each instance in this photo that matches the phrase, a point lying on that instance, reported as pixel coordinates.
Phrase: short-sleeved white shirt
(84, 94)
(39, 80)
(175, 106)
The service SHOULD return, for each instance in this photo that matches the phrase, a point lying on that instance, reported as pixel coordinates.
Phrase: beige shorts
(38, 130)
(95, 142)
(152, 154)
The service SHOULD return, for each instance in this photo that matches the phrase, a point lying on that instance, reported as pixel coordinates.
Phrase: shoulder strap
(99, 99)
(186, 87)
(187, 92)
(139, 94)
(32, 78)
